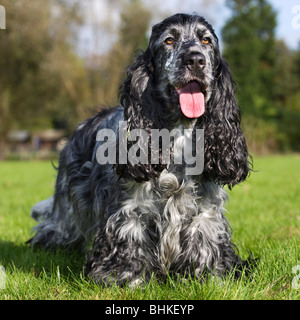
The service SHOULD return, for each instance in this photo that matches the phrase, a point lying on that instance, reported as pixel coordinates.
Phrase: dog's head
(184, 48)
(182, 76)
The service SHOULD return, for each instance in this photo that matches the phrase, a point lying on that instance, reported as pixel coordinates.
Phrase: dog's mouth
(191, 99)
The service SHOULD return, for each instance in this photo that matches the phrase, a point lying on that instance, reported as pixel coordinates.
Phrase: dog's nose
(194, 60)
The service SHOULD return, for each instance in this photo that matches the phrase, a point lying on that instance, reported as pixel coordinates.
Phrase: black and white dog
(152, 217)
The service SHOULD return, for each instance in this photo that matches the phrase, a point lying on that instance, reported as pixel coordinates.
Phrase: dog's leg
(125, 249)
(57, 225)
(42, 209)
(207, 247)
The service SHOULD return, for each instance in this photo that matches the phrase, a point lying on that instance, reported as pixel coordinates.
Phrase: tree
(287, 88)
(131, 36)
(42, 78)
(249, 47)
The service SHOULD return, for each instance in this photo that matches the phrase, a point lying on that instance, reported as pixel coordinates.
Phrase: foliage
(107, 75)
(287, 96)
(43, 80)
(249, 47)
(45, 83)
(263, 213)
(267, 75)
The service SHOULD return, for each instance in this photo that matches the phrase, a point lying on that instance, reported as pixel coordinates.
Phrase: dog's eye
(206, 40)
(169, 40)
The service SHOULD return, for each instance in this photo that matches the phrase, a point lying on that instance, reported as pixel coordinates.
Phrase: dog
(154, 218)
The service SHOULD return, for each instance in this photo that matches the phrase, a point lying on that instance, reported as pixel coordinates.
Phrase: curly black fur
(226, 157)
(154, 218)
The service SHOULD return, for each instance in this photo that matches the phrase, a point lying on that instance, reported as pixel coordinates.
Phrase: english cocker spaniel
(144, 181)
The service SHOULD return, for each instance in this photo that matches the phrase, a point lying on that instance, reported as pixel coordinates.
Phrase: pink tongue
(191, 100)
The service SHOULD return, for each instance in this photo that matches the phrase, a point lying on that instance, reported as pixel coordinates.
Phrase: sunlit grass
(263, 212)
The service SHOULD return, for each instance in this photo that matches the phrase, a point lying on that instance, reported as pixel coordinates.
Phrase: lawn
(264, 213)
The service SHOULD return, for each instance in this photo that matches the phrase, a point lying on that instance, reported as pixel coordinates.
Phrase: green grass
(264, 213)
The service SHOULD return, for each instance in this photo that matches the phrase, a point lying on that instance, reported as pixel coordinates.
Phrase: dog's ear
(136, 96)
(226, 156)
(133, 89)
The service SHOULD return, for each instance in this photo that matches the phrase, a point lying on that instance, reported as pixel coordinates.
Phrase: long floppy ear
(133, 89)
(226, 159)
(140, 112)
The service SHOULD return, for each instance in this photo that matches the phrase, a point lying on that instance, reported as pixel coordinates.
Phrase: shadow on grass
(27, 259)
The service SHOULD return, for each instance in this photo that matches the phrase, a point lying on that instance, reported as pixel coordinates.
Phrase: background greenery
(46, 83)
(263, 212)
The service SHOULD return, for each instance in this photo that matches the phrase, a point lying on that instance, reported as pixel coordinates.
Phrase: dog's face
(184, 50)
(180, 77)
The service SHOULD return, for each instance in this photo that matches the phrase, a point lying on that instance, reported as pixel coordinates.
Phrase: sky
(288, 22)
(215, 11)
